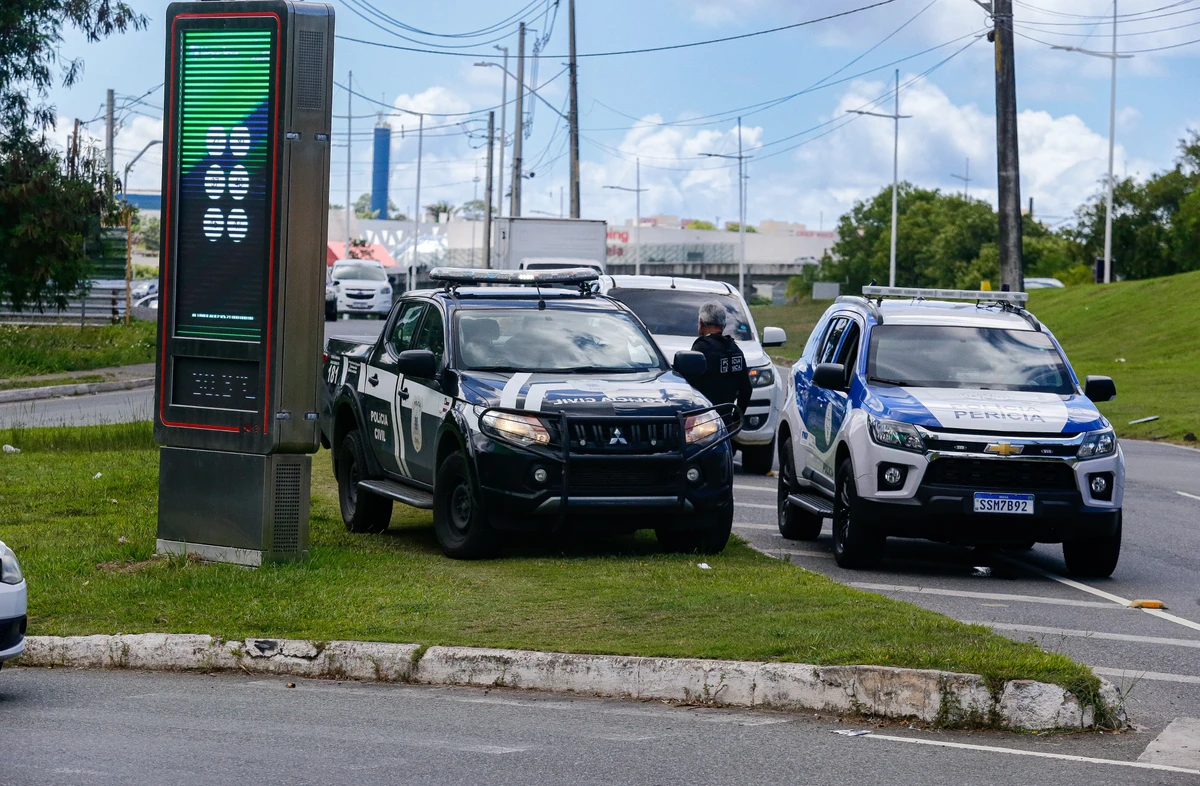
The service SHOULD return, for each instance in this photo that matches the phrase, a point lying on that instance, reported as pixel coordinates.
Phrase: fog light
(1099, 484)
(892, 476)
(539, 475)
(693, 474)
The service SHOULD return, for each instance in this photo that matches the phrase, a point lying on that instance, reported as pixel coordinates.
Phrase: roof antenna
(672, 282)
(541, 300)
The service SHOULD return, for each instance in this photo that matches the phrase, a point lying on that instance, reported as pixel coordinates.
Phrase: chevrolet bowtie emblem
(1004, 449)
(617, 439)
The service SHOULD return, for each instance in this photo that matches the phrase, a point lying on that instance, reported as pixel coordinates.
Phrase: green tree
(362, 207)
(705, 225)
(473, 210)
(440, 208)
(150, 234)
(732, 226)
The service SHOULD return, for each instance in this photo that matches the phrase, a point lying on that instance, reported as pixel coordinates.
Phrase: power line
(352, 5)
(398, 110)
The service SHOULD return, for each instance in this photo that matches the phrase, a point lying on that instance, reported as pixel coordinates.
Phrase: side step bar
(812, 503)
(417, 498)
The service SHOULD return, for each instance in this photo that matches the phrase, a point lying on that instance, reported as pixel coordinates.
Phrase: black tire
(361, 510)
(330, 311)
(855, 543)
(710, 538)
(1094, 558)
(459, 519)
(758, 459)
(794, 523)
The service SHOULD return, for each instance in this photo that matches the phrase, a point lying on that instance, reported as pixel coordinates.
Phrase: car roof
(670, 282)
(354, 261)
(940, 312)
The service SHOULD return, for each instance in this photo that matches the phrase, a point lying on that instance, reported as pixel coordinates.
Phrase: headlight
(1097, 444)
(10, 569)
(762, 377)
(893, 434)
(698, 428)
(385, 291)
(519, 428)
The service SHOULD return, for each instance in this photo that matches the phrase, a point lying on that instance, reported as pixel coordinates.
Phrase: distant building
(661, 221)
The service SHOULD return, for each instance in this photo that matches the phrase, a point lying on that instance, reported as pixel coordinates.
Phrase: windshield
(358, 273)
(673, 312)
(554, 340)
(933, 356)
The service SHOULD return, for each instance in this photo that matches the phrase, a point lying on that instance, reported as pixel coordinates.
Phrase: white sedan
(12, 605)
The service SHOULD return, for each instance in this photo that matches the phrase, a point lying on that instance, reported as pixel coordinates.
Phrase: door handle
(403, 394)
(373, 379)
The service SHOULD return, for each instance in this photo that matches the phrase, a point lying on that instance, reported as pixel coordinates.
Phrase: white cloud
(433, 100)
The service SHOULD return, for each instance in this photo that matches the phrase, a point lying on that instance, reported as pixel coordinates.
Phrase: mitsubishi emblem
(617, 439)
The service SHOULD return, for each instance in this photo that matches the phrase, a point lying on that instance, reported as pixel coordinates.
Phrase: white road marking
(1102, 594)
(1178, 745)
(1087, 634)
(775, 553)
(1137, 674)
(770, 527)
(753, 505)
(1189, 496)
(748, 487)
(981, 595)
(1140, 765)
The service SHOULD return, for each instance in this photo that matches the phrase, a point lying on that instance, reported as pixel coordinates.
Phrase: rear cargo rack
(1013, 302)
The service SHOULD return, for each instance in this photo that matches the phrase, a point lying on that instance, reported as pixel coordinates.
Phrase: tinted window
(962, 357)
(830, 344)
(358, 273)
(406, 323)
(673, 312)
(431, 336)
(553, 340)
(848, 354)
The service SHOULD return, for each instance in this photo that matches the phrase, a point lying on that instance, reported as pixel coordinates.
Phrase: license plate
(1004, 503)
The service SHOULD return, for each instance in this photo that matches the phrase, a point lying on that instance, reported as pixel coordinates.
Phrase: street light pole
(637, 226)
(741, 158)
(1112, 136)
(896, 117)
(503, 130)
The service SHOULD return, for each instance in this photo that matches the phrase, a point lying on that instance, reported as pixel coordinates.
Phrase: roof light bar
(947, 294)
(466, 275)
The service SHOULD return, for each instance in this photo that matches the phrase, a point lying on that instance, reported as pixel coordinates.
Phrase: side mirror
(774, 337)
(418, 363)
(830, 376)
(690, 364)
(1100, 389)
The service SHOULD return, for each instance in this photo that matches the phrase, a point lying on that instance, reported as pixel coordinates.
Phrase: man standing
(727, 379)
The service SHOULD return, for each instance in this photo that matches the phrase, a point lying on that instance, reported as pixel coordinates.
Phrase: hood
(1007, 412)
(348, 346)
(363, 285)
(672, 344)
(654, 392)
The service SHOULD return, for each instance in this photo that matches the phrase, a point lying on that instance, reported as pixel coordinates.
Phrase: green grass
(24, 384)
(87, 543)
(28, 350)
(1143, 334)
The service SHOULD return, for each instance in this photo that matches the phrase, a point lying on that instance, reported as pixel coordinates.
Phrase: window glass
(935, 356)
(432, 337)
(353, 272)
(674, 312)
(830, 344)
(848, 354)
(406, 323)
(557, 339)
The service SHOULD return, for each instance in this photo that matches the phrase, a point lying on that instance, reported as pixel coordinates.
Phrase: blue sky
(668, 108)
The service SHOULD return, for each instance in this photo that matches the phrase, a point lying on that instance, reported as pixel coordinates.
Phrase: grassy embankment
(31, 350)
(1143, 334)
(87, 544)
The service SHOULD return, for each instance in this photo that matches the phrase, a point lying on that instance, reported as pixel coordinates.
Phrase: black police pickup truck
(523, 401)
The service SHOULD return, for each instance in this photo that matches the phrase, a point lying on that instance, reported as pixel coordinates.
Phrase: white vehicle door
(380, 384)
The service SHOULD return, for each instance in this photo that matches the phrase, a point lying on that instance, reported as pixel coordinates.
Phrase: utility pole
(515, 208)
(895, 117)
(966, 179)
(1007, 155)
(412, 268)
(487, 208)
(503, 132)
(637, 226)
(475, 196)
(741, 158)
(108, 139)
(349, 140)
(573, 121)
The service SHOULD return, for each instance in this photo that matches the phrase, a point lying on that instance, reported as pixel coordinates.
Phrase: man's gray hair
(713, 313)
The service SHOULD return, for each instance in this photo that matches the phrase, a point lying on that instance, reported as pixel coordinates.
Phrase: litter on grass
(11, 449)
(1143, 420)
(704, 566)
(97, 476)
(851, 732)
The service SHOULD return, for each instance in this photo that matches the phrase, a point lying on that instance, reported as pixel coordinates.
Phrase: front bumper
(12, 620)
(609, 492)
(761, 419)
(378, 304)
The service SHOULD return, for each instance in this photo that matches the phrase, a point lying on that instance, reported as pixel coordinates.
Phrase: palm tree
(438, 208)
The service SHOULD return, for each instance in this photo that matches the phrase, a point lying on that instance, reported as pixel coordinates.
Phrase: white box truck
(549, 243)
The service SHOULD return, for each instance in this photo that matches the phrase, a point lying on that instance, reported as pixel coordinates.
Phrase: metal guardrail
(102, 306)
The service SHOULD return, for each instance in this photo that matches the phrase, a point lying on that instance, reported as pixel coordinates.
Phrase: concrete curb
(55, 391)
(931, 696)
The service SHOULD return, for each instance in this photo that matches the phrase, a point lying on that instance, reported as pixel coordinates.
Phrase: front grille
(947, 445)
(624, 478)
(625, 436)
(1000, 474)
(11, 632)
(360, 295)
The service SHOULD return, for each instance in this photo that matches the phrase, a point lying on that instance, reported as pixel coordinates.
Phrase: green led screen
(225, 180)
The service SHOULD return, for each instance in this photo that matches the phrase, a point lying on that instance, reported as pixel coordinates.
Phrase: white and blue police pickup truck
(952, 416)
(524, 401)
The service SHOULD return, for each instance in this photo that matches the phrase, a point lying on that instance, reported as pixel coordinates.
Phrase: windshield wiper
(882, 381)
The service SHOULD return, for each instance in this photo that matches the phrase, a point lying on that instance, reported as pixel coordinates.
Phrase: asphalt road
(1153, 656)
(64, 727)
